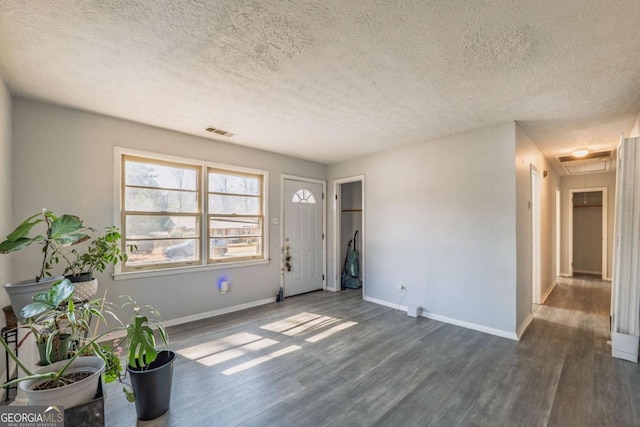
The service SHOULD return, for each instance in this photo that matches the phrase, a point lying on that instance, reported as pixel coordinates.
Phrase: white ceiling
(333, 80)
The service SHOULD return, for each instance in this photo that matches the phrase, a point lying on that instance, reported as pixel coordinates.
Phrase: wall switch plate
(275, 221)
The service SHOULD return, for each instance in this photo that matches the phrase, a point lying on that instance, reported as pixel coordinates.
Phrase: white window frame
(119, 152)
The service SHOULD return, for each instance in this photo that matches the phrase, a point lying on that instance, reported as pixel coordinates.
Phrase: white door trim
(284, 177)
(536, 235)
(558, 229)
(605, 236)
(337, 227)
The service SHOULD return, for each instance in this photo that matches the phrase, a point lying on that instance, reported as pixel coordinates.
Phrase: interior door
(303, 236)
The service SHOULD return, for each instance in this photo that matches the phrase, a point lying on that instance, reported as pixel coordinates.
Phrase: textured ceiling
(333, 80)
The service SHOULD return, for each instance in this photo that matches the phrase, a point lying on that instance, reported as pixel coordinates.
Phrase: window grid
(160, 250)
(242, 240)
(227, 245)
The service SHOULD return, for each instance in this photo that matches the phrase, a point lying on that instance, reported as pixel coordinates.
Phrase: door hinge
(322, 196)
(323, 277)
(322, 236)
(336, 197)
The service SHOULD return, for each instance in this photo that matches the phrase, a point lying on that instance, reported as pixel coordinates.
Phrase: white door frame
(337, 226)
(536, 238)
(605, 236)
(558, 229)
(284, 177)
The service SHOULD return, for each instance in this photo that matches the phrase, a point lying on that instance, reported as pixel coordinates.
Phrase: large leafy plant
(64, 230)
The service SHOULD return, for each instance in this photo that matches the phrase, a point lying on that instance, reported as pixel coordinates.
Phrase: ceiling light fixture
(580, 153)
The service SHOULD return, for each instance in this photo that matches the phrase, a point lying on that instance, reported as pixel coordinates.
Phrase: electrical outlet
(400, 287)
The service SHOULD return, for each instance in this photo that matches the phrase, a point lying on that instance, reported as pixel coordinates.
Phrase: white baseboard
(200, 316)
(451, 321)
(546, 294)
(218, 312)
(523, 326)
(385, 303)
(609, 279)
(624, 346)
(564, 275)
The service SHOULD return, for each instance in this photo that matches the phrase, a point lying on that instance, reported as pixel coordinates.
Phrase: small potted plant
(58, 231)
(150, 369)
(48, 319)
(101, 251)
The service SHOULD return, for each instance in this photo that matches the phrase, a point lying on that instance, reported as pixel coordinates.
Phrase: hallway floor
(572, 327)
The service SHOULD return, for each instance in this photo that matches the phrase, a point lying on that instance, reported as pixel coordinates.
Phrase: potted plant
(59, 231)
(101, 251)
(74, 379)
(48, 320)
(150, 369)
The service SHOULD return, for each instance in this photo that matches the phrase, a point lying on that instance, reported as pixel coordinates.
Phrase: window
(165, 205)
(303, 196)
(234, 215)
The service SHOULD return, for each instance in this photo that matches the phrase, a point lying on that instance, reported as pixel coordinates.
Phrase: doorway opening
(588, 232)
(349, 219)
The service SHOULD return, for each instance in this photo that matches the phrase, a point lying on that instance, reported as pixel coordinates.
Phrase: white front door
(303, 236)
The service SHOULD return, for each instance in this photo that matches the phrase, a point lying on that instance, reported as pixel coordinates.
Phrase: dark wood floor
(326, 359)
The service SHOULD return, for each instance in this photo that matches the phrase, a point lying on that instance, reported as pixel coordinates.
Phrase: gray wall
(440, 218)
(6, 225)
(63, 160)
(6, 178)
(578, 182)
(527, 154)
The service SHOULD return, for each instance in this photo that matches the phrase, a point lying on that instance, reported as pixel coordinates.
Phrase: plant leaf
(64, 225)
(72, 238)
(15, 245)
(23, 229)
(34, 309)
(142, 344)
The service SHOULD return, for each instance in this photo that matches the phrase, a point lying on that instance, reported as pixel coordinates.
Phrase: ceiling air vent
(219, 131)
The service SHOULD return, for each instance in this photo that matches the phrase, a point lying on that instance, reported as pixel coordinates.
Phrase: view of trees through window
(161, 215)
(235, 215)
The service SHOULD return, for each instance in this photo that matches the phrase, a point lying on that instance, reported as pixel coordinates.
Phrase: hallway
(572, 327)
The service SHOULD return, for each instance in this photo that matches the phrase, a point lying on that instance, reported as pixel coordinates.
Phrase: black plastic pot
(82, 277)
(152, 386)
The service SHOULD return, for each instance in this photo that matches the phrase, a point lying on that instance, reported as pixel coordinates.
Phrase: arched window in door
(303, 196)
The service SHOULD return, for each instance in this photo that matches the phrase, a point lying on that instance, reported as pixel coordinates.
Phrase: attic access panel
(587, 167)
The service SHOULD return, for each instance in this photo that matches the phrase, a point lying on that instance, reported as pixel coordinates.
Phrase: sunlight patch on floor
(211, 347)
(259, 360)
(286, 325)
(224, 356)
(324, 334)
